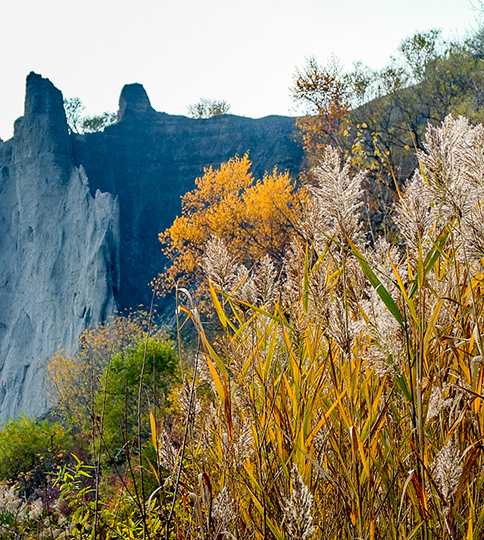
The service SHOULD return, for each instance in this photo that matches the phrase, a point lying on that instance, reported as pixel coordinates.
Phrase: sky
(243, 52)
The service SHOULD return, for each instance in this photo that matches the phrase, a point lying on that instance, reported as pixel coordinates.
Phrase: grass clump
(342, 397)
(347, 388)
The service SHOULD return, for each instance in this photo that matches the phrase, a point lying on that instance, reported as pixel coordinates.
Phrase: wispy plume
(448, 469)
(260, 287)
(167, 454)
(386, 351)
(298, 510)
(341, 327)
(11, 503)
(452, 167)
(219, 265)
(437, 403)
(414, 216)
(339, 197)
(223, 509)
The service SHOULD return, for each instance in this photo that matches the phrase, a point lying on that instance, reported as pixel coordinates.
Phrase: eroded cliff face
(80, 217)
(59, 250)
(150, 159)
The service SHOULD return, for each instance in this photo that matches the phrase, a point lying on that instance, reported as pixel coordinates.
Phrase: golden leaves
(253, 219)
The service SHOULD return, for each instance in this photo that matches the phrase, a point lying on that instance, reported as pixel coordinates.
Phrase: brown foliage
(324, 93)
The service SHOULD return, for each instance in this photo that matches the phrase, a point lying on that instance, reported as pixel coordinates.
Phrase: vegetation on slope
(342, 397)
(379, 117)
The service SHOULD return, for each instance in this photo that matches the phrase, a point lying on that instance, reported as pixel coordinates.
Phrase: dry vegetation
(348, 390)
(342, 395)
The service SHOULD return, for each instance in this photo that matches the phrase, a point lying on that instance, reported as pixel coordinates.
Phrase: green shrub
(117, 397)
(31, 449)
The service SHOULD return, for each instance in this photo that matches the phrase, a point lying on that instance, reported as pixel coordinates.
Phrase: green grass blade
(378, 285)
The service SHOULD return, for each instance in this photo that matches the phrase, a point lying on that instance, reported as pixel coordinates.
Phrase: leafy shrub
(207, 108)
(117, 397)
(30, 450)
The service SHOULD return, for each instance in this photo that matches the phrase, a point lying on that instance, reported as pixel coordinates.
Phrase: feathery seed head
(219, 265)
(337, 200)
(298, 510)
(448, 469)
(167, 454)
(453, 166)
(437, 403)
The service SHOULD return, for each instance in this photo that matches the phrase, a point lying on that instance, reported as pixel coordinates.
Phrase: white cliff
(59, 250)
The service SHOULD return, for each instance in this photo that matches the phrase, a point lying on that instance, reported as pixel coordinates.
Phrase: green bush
(117, 397)
(31, 449)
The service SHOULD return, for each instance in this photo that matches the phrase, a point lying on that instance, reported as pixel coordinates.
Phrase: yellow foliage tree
(253, 218)
(74, 378)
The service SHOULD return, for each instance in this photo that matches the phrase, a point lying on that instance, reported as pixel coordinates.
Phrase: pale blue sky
(244, 52)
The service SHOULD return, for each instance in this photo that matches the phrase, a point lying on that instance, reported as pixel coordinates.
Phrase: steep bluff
(149, 159)
(80, 217)
(58, 247)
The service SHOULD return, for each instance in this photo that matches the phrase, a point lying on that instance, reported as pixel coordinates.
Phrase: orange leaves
(270, 197)
(252, 218)
(270, 210)
(221, 186)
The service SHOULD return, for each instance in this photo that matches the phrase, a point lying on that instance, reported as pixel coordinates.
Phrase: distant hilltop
(80, 217)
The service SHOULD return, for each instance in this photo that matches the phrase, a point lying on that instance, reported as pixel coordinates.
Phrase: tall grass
(342, 397)
(347, 387)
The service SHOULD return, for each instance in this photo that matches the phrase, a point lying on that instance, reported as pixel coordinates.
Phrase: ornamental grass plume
(452, 167)
(11, 503)
(223, 511)
(167, 454)
(386, 351)
(414, 216)
(291, 287)
(36, 509)
(437, 403)
(265, 283)
(447, 471)
(298, 509)
(220, 267)
(339, 198)
(453, 170)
